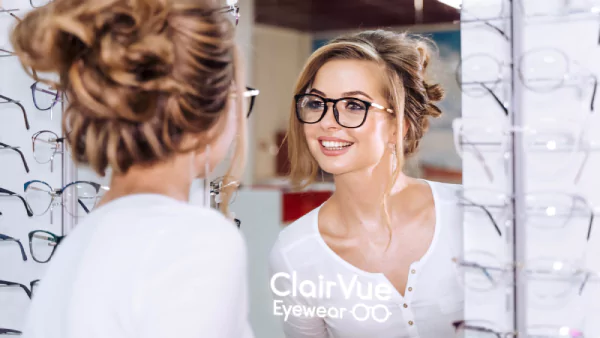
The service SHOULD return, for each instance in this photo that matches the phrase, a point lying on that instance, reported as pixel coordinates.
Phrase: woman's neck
(358, 196)
(172, 178)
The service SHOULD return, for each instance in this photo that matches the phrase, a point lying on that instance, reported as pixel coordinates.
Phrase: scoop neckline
(357, 270)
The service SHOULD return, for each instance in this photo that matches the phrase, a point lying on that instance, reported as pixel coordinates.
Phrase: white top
(350, 302)
(145, 266)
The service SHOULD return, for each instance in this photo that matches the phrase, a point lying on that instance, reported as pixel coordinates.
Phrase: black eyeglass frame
(13, 194)
(55, 238)
(9, 100)
(10, 332)
(8, 238)
(4, 146)
(336, 114)
(4, 283)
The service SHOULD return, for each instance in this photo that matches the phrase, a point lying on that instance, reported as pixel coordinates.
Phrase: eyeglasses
(46, 144)
(549, 279)
(349, 112)
(249, 97)
(78, 198)
(6, 99)
(10, 332)
(544, 70)
(232, 12)
(558, 141)
(8, 193)
(4, 146)
(33, 285)
(546, 210)
(44, 98)
(484, 329)
(7, 284)
(217, 188)
(480, 74)
(42, 245)
(8, 238)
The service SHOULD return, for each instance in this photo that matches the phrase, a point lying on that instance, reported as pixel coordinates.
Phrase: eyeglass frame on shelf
(4, 237)
(9, 100)
(509, 198)
(4, 283)
(482, 327)
(56, 239)
(13, 194)
(57, 140)
(4, 146)
(10, 332)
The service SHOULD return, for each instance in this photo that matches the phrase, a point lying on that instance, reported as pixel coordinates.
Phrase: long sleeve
(293, 326)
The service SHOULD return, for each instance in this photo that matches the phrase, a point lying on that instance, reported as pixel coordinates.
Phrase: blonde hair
(141, 76)
(404, 60)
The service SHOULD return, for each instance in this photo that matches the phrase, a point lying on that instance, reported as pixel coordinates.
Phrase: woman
(152, 94)
(375, 260)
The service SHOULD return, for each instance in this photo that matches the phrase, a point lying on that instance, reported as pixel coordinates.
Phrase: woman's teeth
(335, 145)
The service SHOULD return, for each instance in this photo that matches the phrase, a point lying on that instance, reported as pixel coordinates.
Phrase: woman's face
(340, 150)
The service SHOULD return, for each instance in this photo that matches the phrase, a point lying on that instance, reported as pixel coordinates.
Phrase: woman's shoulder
(297, 239)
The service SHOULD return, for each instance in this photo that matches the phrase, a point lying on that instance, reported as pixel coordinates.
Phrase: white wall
(279, 55)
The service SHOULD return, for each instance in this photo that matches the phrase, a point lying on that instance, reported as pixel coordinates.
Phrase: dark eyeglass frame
(50, 237)
(13, 194)
(9, 100)
(8, 238)
(4, 283)
(55, 99)
(33, 6)
(10, 332)
(4, 146)
(336, 114)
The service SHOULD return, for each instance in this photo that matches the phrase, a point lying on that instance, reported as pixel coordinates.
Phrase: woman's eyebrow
(357, 92)
(318, 92)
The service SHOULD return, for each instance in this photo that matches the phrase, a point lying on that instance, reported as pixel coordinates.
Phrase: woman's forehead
(341, 76)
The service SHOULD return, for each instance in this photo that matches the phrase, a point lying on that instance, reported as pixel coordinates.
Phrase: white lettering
(274, 289)
(297, 310)
(347, 290)
(329, 286)
(333, 312)
(308, 294)
(287, 310)
(309, 311)
(342, 310)
(276, 308)
(294, 280)
(359, 293)
(321, 311)
(383, 292)
(367, 312)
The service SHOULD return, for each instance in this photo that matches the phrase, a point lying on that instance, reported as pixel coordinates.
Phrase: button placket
(407, 312)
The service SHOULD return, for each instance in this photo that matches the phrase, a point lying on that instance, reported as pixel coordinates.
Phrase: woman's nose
(328, 121)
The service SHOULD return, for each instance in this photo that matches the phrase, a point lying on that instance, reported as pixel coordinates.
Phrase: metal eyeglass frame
(53, 239)
(56, 97)
(336, 114)
(7, 284)
(484, 326)
(578, 135)
(57, 140)
(10, 332)
(33, 6)
(13, 194)
(507, 200)
(4, 146)
(9, 100)
(54, 193)
(8, 238)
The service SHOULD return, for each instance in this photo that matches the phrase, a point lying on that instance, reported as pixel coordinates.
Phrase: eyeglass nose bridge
(336, 113)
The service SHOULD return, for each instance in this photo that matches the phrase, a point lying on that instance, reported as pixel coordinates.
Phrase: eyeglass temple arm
(592, 103)
(20, 106)
(27, 207)
(10, 331)
(25, 288)
(18, 151)
(487, 212)
(489, 90)
(8, 238)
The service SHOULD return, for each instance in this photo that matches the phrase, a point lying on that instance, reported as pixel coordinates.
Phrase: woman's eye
(315, 104)
(355, 106)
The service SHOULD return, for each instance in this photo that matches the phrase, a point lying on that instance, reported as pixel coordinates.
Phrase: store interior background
(277, 37)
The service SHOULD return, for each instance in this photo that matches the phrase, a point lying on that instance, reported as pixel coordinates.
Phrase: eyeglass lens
(42, 245)
(348, 112)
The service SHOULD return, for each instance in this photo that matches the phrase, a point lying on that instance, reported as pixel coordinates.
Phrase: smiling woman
(361, 106)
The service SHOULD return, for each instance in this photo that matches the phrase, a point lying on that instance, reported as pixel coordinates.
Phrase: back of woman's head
(403, 60)
(140, 76)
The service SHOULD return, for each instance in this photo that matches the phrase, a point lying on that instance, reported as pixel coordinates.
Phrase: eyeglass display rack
(531, 258)
(17, 169)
